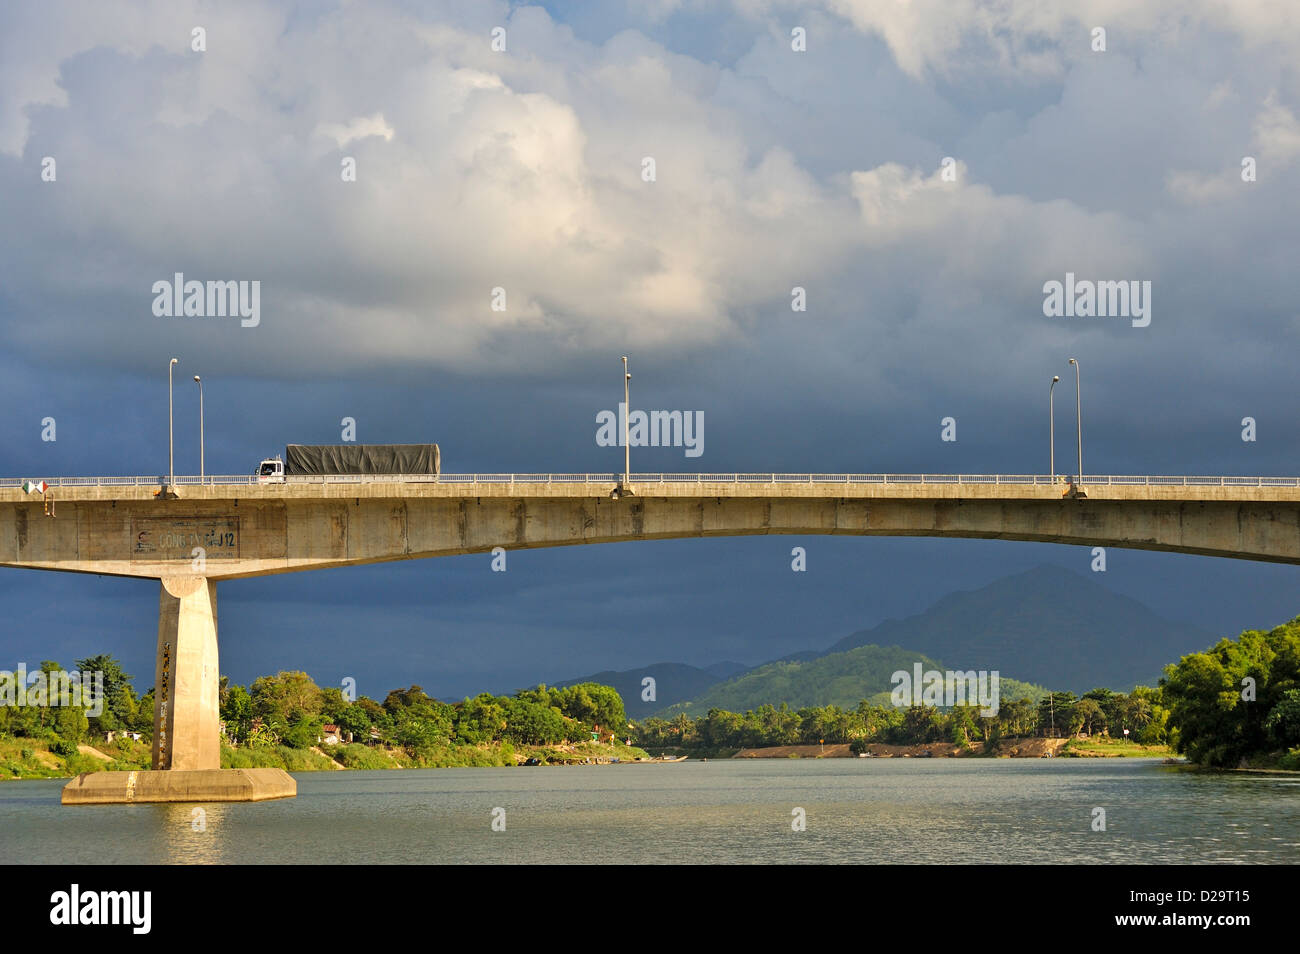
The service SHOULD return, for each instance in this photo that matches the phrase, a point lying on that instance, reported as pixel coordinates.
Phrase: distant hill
(727, 669)
(842, 679)
(1048, 625)
(674, 682)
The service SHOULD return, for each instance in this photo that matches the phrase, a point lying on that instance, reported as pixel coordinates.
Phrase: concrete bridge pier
(186, 707)
(186, 717)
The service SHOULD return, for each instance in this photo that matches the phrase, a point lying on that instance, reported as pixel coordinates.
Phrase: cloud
(362, 127)
(1028, 39)
(1277, 133)
(1275, 143)
(522, 171)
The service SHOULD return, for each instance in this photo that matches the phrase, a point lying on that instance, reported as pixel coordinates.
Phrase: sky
(920, 170)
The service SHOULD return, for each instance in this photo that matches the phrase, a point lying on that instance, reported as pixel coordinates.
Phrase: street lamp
(171, 445)
(199, 382)
(627, 414)
(1078, 418)
(1051, 413)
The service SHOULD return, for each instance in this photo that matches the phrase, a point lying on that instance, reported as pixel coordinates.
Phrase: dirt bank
(1014, 748)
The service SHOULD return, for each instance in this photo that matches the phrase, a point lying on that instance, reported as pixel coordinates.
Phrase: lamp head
(1055, 378)
(197, 378)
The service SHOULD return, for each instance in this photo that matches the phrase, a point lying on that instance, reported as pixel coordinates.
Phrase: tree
(1087, 711)
(480, 720)
(961, 724)
(921, 724)
(286, 698)
(1056, 714)
(531, 723)
(333, 704)
(1219, 701)
(358, 717)
(404, 698)
(70, 723)
(237, 713)
(1017, 715)
(1283, 720)
(721, 729)
(303, 732)
(682, 729)
(143, 721)
(592, 705)
(119, 703)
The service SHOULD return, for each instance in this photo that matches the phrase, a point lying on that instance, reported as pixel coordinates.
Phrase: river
(856, 810)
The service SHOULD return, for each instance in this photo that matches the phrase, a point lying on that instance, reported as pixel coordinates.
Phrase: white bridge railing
(639, 479)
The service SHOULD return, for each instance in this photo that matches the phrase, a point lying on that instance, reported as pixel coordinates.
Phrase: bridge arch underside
(269, 536)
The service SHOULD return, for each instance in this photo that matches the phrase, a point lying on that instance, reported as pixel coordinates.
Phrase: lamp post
(1078, 419)
(1051, 413)
(199, 382)
(171, 444)
(627, 414)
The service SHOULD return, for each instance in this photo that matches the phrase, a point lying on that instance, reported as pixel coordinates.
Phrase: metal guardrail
(1021, 479)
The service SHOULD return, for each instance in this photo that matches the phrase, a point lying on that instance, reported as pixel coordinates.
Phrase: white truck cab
(271, 471)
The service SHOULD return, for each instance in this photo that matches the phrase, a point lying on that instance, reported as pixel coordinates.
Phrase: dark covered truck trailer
(339, 460)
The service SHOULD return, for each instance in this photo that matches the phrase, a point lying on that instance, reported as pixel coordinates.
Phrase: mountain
(1048, 626)
(842, 679)
(727, 669)
(673, 682)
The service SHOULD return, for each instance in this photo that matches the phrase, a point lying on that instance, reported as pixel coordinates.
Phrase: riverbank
(1027, 748)
(23, 758)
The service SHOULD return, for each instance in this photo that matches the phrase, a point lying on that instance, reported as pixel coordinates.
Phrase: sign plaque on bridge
(168, 538)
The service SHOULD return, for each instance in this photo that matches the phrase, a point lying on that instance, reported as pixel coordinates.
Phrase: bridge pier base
(186, 717)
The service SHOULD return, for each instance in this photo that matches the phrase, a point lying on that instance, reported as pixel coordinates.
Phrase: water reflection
(190, 834)
(868, 811)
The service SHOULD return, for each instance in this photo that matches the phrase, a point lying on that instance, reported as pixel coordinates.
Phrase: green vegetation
(1112, 747)
(842, 679)
(278, 722)
(35, 757)
(1238, 703)
(288, 711)
(1056, 715)
(1234, 705)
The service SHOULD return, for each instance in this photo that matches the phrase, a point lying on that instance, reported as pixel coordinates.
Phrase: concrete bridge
(222, 528)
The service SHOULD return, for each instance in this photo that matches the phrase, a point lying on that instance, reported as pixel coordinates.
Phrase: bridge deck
(879, 486)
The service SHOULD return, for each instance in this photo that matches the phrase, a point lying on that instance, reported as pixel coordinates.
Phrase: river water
(856, 810)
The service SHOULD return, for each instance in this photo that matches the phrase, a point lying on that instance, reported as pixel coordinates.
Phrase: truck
(341, 460)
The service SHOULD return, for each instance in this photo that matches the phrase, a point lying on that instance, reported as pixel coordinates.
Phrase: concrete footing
(204, 785)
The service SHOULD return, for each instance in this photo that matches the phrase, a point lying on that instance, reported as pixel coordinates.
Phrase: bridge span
(232, 527)
(201, 531)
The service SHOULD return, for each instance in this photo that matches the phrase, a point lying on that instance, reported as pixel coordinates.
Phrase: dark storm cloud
(522, 170)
